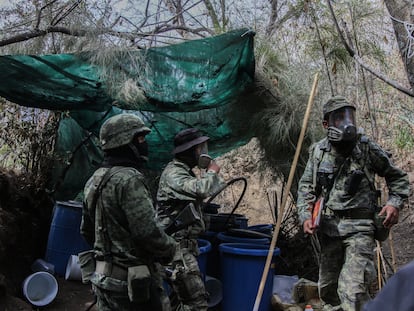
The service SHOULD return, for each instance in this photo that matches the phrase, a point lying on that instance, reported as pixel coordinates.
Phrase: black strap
(102, 223)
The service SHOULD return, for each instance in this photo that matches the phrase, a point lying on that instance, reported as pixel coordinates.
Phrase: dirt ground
(72, 296)
(260, 195)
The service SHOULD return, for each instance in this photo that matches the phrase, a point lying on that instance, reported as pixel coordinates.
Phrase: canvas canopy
(193, 84)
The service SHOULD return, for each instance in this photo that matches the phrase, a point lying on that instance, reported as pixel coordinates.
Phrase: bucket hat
(188, 138)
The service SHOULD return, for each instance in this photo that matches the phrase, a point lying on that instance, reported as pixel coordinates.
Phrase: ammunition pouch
(87, 264)
(111, 270)
(381, 233)
(325, 180)
(353, 181)
(139, 284)
(186, 217)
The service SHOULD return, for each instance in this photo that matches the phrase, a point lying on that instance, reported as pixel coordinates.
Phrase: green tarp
(193, 84)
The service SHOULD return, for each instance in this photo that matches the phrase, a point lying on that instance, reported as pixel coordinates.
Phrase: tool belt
(111, 270)
(355, 213)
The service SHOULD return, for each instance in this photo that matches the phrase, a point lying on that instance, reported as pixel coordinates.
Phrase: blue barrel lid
(228, 238)
(260, 226)
(204, 245)
(70, 203)
(247, 249)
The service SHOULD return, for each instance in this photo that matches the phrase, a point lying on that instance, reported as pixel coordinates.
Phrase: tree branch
(358, 59)
(213, 15)
(323, 48)
(272, 19)
(99, 31)
(39, 15)
(57, 19)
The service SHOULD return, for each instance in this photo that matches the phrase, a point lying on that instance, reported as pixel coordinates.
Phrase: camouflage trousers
(346, 271)
(189, 293)
(111, 300)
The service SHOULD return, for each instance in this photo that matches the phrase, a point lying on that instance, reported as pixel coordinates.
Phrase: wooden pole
(393, 262)
(379, 265)
(285, 195)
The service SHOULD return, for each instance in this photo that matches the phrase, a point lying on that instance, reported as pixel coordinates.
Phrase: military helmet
(336, 103)
(188, 138)
(119, 130)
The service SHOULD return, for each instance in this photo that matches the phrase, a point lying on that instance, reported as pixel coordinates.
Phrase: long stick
(285, 195)
(379, 265)
(391, 241)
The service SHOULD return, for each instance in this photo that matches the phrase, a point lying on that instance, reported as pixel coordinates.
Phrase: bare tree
(350, 49)
(402, 15)
(140, 26)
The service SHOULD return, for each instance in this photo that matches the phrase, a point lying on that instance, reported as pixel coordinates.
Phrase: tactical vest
(361, 161)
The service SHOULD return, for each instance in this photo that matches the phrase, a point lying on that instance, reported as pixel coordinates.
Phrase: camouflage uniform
(177, 187)
(119, 221)
(347, 228)
(135, 237)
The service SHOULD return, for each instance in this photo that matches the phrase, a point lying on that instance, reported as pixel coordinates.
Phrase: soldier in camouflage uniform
(179, 187)
(341, 169)
(119, 221)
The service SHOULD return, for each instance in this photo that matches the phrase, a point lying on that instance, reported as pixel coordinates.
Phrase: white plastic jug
(73, 269)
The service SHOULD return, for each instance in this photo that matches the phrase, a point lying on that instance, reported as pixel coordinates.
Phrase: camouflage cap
(119, 130)
(336, 103)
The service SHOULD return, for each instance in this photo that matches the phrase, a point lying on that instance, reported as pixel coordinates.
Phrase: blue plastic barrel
(262, 228)
(213, 257)
(204, 246)
(64, 235)
(242, 266)
(228, 238)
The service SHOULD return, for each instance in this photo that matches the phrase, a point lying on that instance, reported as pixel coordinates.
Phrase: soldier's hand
(391, 217)
(213, 166)
(308, 227)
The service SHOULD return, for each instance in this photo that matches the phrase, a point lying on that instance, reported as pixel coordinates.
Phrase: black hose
(238, 201)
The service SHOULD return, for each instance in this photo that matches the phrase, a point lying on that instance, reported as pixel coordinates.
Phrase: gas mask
(140, 150)
(203, 159)
(341, 125)
(143, 150)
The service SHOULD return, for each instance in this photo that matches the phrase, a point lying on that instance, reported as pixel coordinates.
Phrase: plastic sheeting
(193, 84)
(190, 76)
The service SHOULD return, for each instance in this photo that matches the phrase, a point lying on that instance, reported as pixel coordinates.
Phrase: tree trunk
(402, 15)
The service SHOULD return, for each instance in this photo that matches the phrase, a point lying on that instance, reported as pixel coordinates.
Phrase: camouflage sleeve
(396, 179)
(87, 227)
(306, 194)
(139, 210)
(195, 188)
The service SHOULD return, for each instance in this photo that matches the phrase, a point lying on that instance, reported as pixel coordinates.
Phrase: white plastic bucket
(73, 269)
(40, 288)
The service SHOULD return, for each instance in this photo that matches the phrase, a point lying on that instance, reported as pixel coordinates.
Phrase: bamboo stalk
(379, 265)
(285, 195)
(384, 267)
(393, 262)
